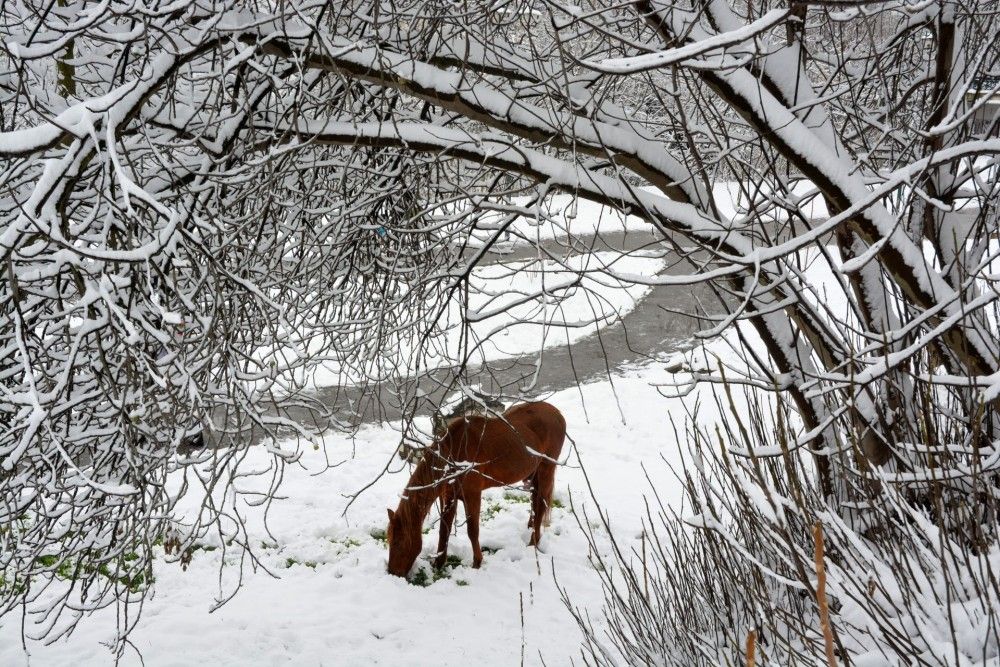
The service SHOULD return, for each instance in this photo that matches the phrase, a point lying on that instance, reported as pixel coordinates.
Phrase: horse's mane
(423, 478)
(466, 420)
(422, 488)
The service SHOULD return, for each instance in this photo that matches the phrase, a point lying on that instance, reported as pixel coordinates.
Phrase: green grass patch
(427, 574)
(350, 542)
(47, 561)
(491, 511)
(134, 580)
(452, 561)
(12, 585)
(524, 498)
(421, 578)
(69, 569)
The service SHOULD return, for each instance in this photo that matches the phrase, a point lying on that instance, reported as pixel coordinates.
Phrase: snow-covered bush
(167, 288)
(909, 562)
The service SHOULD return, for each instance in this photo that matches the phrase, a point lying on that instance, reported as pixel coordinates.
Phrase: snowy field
(321, 595)
(328, 600)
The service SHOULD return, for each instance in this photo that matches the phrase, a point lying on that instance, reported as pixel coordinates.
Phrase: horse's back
(543, 420)
(515, 439)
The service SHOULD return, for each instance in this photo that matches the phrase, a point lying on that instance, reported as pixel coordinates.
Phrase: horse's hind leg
(541, 499)
(473, 500)
(532, 484)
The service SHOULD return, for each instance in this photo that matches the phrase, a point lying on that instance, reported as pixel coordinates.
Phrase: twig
(824, 609)
(521, 598)
(645, 569)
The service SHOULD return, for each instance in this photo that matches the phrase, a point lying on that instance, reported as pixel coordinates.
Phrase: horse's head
(404, 539)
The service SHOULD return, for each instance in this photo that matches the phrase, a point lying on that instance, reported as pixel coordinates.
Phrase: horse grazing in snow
(473, 454)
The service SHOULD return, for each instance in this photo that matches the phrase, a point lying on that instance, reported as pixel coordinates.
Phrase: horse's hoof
(477, 563)
(440, 561)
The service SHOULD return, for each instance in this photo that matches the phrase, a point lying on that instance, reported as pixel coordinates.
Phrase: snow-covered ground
(334, 603)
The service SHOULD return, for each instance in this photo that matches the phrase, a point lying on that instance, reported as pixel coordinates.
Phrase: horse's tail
(551, 491)
(549, 486)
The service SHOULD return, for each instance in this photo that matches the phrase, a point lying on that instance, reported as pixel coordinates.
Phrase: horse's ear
(391, 514)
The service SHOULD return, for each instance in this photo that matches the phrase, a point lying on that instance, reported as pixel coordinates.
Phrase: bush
(910, 559)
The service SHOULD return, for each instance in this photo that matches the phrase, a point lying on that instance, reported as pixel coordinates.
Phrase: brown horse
(477, 453)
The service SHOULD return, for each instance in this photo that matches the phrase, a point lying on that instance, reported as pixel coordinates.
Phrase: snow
(334, 602)
(691, 50)
(734, 203)
(528, 326)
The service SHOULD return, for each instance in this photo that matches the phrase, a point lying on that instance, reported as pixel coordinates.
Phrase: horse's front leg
(473, 500)
(449, 506)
